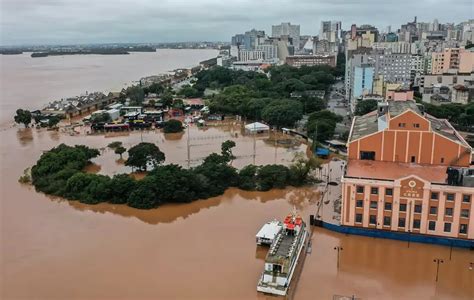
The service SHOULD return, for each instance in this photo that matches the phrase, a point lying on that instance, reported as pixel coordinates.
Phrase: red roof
(194, 101)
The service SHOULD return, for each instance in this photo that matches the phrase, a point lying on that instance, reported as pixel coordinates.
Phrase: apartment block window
(442, 160)
(360, 203)
(360, 189)
(387, 221)
(463, 228)
(388, 192)
(418, 208)
(434, 196)
(373, 219)
(450, 197)
(432, 225)
(358, 218)
(388, 206)
(433, 210)
(373, 204)
(416, 224)
(464, 213)
(401, 125)
(416, 125)
(448, 212)
(374, 191)
(367, 155)
(466, 198)
(401, 222)
(413, 159)
(447, 227)
(403, 207)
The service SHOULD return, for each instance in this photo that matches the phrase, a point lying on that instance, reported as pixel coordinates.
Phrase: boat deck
(284, 245)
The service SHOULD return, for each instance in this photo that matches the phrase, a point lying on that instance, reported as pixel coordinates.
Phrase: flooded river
(57, 249)
(31, 83)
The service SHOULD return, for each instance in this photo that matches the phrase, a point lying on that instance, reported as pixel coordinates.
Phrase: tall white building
(249, 55)
(330, 31)
(286, 29)
(270, 51)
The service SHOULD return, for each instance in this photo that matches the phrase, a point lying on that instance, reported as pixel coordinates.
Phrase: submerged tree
(226, 149)
(173, 126)
(139, 156)
(120, 150)
(23, 117)
(114, 145)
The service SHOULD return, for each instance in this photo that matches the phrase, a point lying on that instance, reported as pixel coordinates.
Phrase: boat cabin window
(277, 268)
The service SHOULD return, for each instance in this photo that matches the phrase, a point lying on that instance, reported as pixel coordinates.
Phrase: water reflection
(174, 136)
(300, 198)
(24, 136)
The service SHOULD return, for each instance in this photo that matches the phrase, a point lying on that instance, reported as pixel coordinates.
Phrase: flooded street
(57, 249)
(52, 248)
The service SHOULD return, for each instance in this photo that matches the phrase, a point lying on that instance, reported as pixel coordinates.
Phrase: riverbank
(31, 84)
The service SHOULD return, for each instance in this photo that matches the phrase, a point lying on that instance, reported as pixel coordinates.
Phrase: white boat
(283, 256)
(267, 233)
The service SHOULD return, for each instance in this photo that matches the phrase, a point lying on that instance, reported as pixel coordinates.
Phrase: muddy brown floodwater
(57, 249)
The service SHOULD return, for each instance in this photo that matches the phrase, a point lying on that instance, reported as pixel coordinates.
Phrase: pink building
(452, 60)
(399, 95)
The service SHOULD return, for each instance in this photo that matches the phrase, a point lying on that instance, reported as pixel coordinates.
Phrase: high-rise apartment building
(287, 29)
(330, 31)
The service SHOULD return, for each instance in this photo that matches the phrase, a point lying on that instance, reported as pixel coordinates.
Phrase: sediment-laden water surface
(52, 248)
(57, 249)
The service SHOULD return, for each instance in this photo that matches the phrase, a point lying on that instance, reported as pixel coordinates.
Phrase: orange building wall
(372, 143)
(409, 118)
(414, 146)
(426, 146)
(399, 142)
(388, 145)
(401, 146)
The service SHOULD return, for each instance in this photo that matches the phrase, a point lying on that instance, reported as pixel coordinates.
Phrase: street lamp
(437, 261)
(339, 249)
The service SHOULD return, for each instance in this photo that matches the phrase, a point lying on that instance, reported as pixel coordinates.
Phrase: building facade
(408, 172)
(287, 29)
(311, 60)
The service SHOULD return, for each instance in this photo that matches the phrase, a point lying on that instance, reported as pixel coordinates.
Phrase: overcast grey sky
(96, 21)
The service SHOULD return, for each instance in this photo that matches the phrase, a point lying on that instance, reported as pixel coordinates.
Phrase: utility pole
(409, 222)
(451, 250)
(339, 249)
(437, 261)
(188, 149)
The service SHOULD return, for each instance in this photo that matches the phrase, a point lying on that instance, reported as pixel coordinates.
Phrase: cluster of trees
(60, 172)
(101, 118)
(25, 117)
(118, 148)
(461, 115)
(458, 114)
(173, 126)
(365, 106)
(322, 124)
(267, 96)
(137, 94)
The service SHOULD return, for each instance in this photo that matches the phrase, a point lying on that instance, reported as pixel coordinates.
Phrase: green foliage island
(60, 172)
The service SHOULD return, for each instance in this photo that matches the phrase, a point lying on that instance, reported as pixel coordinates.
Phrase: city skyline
(36, 22)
